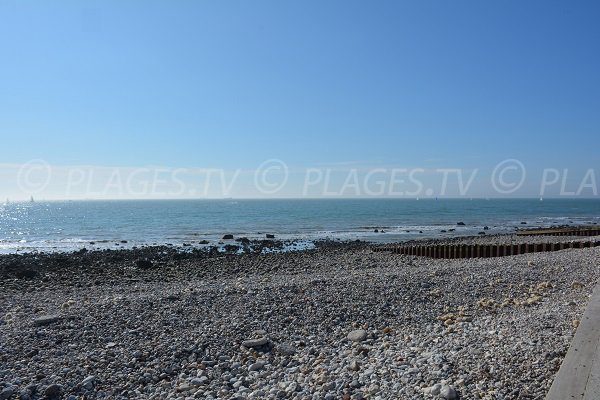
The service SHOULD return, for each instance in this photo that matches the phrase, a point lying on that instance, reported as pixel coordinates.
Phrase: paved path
(579, 374)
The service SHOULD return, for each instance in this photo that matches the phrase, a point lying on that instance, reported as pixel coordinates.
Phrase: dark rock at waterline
(523, 223)
(485, 228)
(203, 242)
(376, 231)
(443, 231)
(60, 266)
(231, 248)
(227, 237)
(270, 236)
(243, 240)
(143, 263)
(26, 274)
(460, 223)
(451, 230)
(481, 233)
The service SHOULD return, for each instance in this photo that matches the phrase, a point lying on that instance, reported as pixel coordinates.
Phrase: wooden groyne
(483, 250)
(581, 231)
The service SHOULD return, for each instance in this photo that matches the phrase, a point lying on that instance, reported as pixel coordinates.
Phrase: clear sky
(229, 84)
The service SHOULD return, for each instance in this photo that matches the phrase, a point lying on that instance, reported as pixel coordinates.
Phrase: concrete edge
(579, 375)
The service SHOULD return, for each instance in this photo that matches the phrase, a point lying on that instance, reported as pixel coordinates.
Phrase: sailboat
(31, 200)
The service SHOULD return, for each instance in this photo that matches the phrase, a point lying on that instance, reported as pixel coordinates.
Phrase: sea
(50, 226)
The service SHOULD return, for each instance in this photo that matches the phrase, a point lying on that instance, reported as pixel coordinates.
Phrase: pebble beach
(336, 322)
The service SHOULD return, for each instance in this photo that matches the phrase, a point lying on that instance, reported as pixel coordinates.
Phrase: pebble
(174, 331)
(252, 343)
(6, 393)
(435, 389)
(46, 320)
(53, 391)
(448, 392)
(357, 335)
(286, 349)
(88, 383)
(198, 381)
(256, 366)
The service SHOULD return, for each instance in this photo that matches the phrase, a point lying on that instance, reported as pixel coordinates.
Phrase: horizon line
(28, 200)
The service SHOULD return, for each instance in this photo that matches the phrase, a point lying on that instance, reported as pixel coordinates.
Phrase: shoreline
(338, 321)
(72, 225)
(282, 243)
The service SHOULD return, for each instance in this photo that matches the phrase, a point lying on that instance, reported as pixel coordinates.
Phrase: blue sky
(229, 84)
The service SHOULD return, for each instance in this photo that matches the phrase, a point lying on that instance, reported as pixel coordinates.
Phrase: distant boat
(31, 200)
(541, 199)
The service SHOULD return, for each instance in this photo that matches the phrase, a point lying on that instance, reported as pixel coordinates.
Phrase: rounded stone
(357, 335)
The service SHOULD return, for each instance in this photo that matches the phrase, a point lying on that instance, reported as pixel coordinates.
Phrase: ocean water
(70, 225)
